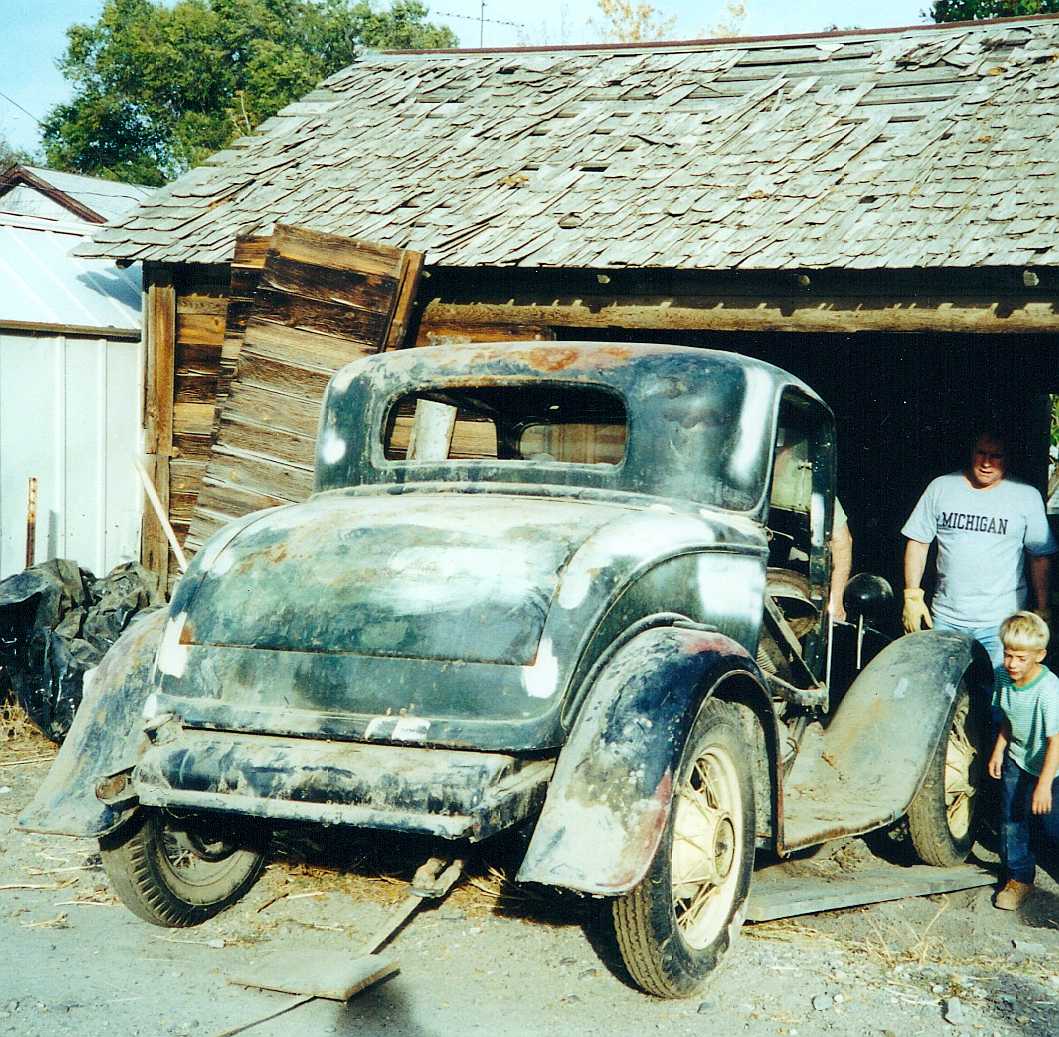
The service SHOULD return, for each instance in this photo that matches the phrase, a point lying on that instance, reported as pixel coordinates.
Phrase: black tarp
(57, 621)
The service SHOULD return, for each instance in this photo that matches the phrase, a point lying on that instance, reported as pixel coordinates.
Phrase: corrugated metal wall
(70, 414)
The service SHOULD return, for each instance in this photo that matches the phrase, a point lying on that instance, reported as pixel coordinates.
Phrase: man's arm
(915, 563)
(1040, 567)
(841, 566)
(1042, 794)
(915, 614)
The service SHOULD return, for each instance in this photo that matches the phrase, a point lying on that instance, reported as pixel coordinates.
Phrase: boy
(1026, 755)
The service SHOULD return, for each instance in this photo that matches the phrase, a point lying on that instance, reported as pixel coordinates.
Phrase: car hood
(460, 577)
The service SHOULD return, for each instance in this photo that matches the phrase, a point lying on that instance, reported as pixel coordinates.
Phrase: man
(985, 526)
(841, 562)
(792, 488)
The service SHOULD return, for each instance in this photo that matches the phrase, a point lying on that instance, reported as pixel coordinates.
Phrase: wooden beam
(160, 331)
(404, 304)
(86, 330)
(979, 314)
(432, 334)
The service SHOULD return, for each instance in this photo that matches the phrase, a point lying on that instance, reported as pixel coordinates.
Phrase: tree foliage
(628, 21)
(975, 10)
(160, 86)
(10, 155)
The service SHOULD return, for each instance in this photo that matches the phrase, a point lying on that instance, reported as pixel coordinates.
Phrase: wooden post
(31, 523)
(160, 330)
(432, 430)
(411, 272)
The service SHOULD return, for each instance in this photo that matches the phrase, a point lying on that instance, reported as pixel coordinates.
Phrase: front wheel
(942, 816)
(179, 871)
(674, 927)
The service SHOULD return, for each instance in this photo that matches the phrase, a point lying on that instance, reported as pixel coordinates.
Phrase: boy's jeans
(1016, 794)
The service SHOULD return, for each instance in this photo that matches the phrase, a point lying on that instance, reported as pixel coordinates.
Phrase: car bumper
(448, 793)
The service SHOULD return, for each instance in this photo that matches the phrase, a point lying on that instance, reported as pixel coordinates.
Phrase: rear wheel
(675, 926)
(180, 871)
(942, 817)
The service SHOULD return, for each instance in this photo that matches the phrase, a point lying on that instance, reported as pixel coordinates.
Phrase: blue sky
(33, 35)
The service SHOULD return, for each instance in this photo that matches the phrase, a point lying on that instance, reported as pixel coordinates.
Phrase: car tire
(942, 817)
(178, 872)
(675, 926)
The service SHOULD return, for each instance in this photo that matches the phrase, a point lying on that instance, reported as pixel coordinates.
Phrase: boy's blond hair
(1024, 632)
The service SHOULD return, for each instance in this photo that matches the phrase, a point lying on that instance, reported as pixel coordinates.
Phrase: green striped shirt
(1032, 712)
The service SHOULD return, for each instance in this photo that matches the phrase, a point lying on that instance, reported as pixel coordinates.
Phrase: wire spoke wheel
(706, 841)
(942, 816)
(178, 871)
(963, 766)
(675, 926)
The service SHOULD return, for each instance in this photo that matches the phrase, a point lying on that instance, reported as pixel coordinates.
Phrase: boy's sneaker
(1010, 898)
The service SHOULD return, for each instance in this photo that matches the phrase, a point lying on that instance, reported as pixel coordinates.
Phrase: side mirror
(871, 598)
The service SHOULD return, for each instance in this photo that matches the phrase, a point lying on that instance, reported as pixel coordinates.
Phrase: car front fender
(610, 796)
(874, 754)
(107, 736)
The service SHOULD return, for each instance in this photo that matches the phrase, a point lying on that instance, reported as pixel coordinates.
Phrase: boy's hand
(1042, 798)
(996, 764)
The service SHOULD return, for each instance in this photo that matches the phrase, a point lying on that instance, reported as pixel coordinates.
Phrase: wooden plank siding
(313, 311)
(300, 310)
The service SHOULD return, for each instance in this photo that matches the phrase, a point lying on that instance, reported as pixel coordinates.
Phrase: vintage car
(546, 585)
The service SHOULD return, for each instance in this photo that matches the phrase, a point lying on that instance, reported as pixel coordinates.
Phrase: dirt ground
(492, 958)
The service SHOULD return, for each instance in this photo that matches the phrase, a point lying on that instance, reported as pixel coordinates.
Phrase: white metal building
(71, 377)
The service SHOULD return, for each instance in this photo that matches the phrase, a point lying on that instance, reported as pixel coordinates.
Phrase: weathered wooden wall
(884, 351)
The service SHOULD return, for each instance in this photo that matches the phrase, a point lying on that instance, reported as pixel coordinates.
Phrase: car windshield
(550, 423)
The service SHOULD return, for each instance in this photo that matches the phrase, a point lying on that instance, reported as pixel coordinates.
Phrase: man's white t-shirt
(981, 537)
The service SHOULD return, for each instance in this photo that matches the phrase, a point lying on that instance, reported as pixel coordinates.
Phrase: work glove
(915, 614)
(1045, 613)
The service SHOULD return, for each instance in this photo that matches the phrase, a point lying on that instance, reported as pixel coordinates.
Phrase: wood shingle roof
(926, 147)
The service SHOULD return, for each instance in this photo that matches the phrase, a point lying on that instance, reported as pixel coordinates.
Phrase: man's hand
(996, 763)
(1042, 798)
(915, 614)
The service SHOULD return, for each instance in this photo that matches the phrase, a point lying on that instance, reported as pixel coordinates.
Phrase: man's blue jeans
(987, 637)
(1016, 794)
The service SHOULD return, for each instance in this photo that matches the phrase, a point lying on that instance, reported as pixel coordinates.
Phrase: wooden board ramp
(333, 975)
(337, 976)
(783, 891)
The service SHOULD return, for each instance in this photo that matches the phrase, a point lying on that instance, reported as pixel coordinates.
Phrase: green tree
(975, 10)
(159, 86)
(631, 21)
(10, 155)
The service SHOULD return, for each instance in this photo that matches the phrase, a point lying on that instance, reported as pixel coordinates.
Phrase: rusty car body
(582, 607)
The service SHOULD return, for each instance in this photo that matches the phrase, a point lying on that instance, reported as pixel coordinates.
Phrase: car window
(552, 423)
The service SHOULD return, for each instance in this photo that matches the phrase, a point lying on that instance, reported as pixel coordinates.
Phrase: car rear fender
(106, 738)
(609, 800)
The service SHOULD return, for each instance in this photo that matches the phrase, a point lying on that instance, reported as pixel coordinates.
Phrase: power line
(20, 108)
(476, 18)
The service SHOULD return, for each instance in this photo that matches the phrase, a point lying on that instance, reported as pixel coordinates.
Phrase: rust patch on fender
(553, 359)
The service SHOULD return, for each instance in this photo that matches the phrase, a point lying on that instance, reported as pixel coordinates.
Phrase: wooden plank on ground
(780, 892)
(334, 975)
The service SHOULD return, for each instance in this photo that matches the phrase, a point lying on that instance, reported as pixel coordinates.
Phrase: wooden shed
(877, 211)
